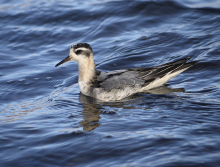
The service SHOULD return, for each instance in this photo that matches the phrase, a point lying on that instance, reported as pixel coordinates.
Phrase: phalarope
(118, 84)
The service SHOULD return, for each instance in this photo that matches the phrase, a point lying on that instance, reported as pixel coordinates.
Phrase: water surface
(46, 121)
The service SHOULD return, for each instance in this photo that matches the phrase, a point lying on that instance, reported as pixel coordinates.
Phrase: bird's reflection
(165, 90)
(92, 108)
(91, 113)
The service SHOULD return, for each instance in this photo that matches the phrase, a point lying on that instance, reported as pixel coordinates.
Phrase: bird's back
(118, 84)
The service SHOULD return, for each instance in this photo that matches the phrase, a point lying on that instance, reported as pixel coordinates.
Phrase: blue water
(45, 121)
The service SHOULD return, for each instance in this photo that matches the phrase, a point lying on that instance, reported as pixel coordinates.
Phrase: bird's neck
(87, 70)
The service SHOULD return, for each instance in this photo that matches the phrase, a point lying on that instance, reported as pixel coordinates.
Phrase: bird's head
(79, 52)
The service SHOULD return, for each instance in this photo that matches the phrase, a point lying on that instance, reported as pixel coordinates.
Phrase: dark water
(45, 121)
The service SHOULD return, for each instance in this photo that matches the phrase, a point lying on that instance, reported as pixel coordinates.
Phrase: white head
(83, 54)
(80, 52)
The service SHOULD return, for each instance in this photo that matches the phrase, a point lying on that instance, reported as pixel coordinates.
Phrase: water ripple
(46, 121)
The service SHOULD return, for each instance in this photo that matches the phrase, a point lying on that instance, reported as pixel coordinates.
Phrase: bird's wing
(150, 74)
(142, 77)
(123, 80)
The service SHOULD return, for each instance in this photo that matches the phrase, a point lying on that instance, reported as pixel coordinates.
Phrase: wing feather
(127, 79)
(120, 79)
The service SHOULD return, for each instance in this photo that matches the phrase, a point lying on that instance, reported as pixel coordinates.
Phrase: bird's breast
(85, 88)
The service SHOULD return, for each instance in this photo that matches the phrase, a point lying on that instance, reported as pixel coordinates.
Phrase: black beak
(63, 61)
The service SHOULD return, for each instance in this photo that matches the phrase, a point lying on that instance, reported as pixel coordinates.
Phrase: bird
(118, 84)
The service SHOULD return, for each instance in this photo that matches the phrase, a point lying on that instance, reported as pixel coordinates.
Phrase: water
(44, 119)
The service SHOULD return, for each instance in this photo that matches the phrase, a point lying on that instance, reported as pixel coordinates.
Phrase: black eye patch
(78, 51)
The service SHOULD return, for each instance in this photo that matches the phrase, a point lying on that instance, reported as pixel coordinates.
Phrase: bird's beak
(64, 61)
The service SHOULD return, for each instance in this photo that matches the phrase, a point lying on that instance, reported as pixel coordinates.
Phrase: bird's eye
(78, 52)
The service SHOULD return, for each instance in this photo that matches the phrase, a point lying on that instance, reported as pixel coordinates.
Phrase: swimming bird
(118, 84)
